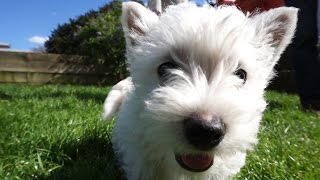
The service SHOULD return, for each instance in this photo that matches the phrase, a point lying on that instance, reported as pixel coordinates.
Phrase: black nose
(204, 134)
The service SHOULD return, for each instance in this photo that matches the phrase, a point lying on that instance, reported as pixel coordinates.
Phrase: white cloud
(53, 13)
(38, 39)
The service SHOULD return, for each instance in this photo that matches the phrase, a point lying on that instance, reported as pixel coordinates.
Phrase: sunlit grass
(289, 142)
(55, 132)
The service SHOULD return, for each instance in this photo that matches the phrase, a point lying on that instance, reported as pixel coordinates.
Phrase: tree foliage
(96, 34)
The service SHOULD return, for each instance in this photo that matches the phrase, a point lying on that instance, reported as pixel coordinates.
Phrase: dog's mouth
(194, 162)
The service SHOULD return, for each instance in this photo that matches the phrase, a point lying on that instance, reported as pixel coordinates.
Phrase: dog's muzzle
(204, 135)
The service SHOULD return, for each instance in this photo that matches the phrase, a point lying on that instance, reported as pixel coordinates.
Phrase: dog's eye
(242, 74)
(163, 68)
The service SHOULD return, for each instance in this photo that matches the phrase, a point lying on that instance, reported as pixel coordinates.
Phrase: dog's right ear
(136, 21)
(275, 28)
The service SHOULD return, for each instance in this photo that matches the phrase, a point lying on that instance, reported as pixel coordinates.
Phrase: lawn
(55, 132)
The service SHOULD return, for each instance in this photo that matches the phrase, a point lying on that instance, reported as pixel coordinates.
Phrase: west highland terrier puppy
(192, 107)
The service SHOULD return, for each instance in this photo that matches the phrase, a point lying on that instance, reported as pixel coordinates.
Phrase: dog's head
(200, 73)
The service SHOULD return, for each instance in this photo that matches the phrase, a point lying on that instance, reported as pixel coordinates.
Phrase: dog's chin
(199, 162)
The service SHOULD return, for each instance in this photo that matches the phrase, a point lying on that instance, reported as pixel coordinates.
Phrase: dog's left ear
(136, 21)
(275, 28)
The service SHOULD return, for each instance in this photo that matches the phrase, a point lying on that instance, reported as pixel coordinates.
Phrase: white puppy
(193, 106)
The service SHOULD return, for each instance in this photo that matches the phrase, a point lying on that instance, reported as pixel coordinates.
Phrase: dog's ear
(136, 20)
(275, 28)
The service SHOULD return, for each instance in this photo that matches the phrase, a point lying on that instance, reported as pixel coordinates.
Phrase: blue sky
(25, 24)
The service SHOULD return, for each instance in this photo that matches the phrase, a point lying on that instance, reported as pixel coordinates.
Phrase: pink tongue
(197, 161)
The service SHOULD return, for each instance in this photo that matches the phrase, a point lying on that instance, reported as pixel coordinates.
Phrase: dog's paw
(115, 98)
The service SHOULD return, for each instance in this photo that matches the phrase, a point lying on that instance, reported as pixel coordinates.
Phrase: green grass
(289, 145)
(55, 132)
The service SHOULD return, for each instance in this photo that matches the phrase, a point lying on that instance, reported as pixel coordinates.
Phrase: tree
(65, 38)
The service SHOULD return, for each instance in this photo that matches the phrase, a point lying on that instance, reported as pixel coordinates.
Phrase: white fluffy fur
(209, 45)
(116, 97)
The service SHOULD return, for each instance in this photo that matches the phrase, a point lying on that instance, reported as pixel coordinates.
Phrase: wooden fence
(37, 68)
(40, 68)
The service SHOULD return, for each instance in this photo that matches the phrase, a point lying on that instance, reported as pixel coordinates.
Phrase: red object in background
(252, 5)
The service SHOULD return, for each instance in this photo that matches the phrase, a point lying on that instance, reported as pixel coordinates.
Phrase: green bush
(103, 39)
(96, 34)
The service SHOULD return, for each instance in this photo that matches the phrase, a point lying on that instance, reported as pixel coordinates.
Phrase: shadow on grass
(91, 158)
(97, 97)
(4, 96)
(274, 105)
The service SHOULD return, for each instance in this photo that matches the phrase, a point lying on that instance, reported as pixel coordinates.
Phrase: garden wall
(41, 68)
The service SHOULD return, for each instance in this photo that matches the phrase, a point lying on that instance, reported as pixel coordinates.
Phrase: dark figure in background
(305, 54)
(304, 46)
